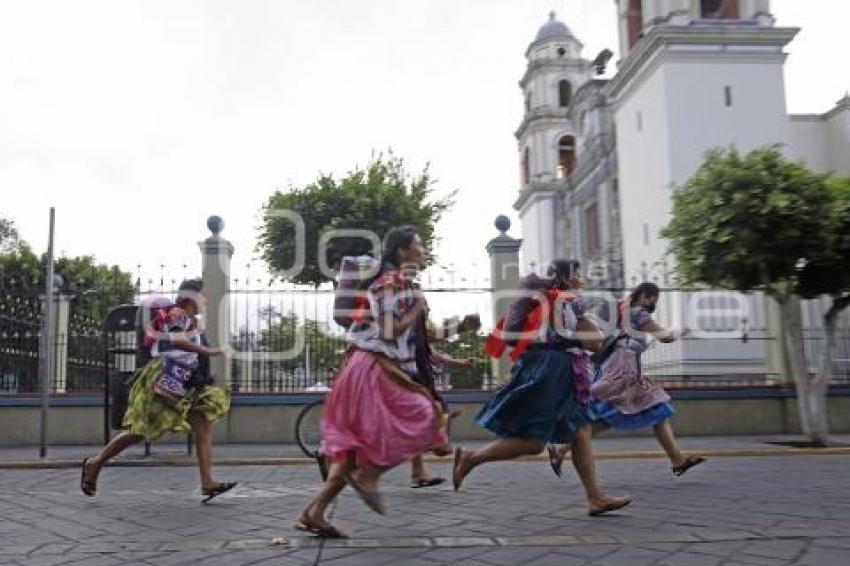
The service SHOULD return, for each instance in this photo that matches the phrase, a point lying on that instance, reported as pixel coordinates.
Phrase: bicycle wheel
(308, 433)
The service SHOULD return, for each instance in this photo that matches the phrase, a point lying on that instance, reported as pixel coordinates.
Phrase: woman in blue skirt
(543, 401)
(625, 398)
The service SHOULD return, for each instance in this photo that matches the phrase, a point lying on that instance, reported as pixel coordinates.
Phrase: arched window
(566, 156)
(719, 9)
(526, 166)
(634, 21)
(565, 92)
(528, 102)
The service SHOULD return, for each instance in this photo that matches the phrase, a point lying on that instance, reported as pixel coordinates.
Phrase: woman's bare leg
(118, 444)
(505, 448)
(368, 476)
(667, 440)
(417, 468)
(336, 482)
(202, 428)
(585, 464)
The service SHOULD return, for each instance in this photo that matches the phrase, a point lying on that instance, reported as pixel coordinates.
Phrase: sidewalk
(289, 454)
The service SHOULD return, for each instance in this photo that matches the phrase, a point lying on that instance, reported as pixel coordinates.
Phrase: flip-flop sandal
(88, 487)
(457, 479)
(322, 531)
(555, 460)
(372, 498)
(209, 494)
(689, 463)
(610, 506)
(426, 482)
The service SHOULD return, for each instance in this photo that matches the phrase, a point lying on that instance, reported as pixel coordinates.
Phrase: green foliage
(95, 288)
(377, 198)
(280, 335)
(463, 346)
(826, 271)
(746, 222)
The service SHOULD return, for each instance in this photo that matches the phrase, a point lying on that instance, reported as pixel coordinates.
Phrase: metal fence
(20, 333)
(286, 340)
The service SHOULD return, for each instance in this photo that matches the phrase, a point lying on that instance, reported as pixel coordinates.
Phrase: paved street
(791, 509)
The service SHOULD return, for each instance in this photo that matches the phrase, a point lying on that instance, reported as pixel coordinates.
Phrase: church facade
(599, 158)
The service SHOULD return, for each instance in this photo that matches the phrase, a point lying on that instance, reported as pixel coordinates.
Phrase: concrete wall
(643, 155)
(837, 144)
(538, 231)
(808, 141)
(744, 412)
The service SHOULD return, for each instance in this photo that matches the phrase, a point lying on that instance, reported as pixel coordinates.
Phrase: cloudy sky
(138, 119)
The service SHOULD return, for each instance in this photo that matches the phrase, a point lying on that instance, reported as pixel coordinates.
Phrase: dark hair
(563, 268)
(188, 289)
(396, 240)
(645, 289)
(195, 285)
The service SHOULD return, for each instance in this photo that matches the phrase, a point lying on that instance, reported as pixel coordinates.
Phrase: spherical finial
(502, 223)
(215, 224)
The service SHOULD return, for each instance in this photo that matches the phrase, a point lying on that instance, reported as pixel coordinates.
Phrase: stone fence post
(504, 275)
(57, 373)
(216, 253)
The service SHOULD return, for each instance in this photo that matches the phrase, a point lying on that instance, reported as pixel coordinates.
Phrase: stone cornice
(741, 42)
(503, 244)
(216, 245)
(840, 106)
(538, 42)
(543, 115)
(536, 190)
(555, 64)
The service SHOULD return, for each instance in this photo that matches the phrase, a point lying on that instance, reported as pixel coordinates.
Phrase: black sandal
(555, 460)
(426, 482)
(689, 463)
(217, 490)
(457, 479)
(612, 505)
(322, 531)
(322, 462)
(88, 487)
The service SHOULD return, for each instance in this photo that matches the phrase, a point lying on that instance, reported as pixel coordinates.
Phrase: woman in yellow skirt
(164, 398)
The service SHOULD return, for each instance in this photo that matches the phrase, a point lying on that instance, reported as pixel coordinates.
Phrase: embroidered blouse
(391, 294)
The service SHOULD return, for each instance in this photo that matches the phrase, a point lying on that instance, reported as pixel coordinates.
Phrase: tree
(94, 288)
(283, 333)
(750, 223)
(825, 273)
(464, 346)
(9, 239)
(377, 198)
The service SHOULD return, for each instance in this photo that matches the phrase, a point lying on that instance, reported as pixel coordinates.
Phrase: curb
(303, 461)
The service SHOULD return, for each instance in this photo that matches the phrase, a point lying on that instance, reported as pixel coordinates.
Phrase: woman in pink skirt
(379, 414)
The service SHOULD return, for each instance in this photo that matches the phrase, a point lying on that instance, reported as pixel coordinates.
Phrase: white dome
(552, 29)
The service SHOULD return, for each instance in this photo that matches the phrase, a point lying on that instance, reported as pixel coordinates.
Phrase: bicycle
(308, 434)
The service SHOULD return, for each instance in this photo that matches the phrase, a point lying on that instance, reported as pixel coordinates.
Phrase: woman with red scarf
(545, 399)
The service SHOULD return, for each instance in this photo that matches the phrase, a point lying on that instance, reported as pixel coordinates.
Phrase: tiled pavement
(791, 509)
